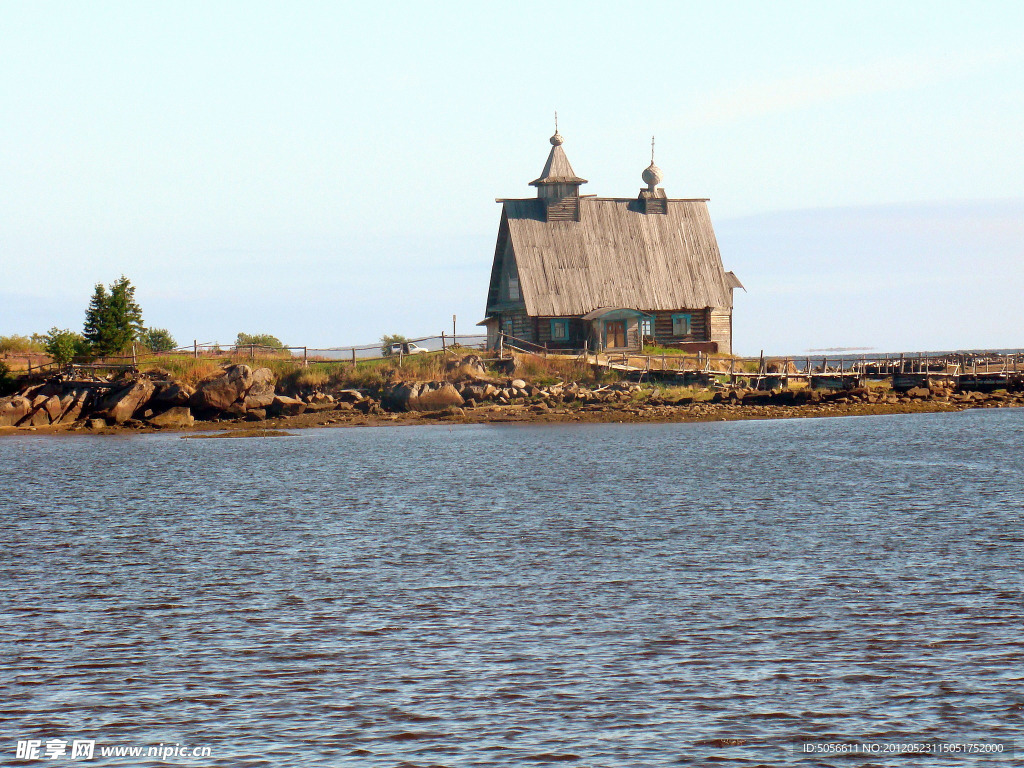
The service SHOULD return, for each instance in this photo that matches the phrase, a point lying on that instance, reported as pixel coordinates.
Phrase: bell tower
(558, 187)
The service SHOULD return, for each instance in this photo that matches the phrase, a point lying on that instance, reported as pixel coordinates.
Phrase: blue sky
(327, 171)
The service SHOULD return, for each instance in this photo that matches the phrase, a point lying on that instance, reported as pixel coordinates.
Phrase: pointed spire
(557, 169)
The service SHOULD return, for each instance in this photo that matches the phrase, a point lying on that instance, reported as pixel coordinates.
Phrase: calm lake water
(596, 595)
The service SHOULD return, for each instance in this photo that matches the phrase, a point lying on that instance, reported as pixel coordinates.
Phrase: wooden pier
(969, 371)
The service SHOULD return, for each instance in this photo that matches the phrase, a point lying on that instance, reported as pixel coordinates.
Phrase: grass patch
(373, 375)
(542, 370)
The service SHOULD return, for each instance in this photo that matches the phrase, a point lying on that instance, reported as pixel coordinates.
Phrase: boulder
(54, 407)
(170, 394)
(422, 396)
(473, 391)
(437, 396)
(517, 384)
(219, 392)
(120, 405)
(349, 396)
(256, 414)
(261, 392)
(40, 418)
(282, 405)
(13, 410)
(74, 410)
(398, 396)
(97, 423)
(178, 417)
(469, 368)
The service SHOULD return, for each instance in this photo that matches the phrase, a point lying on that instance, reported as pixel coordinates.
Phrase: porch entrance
(615, 334)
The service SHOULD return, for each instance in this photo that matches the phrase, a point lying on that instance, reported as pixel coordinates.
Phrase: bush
(387, 340)
(7, 381)
(64, 345)
(158, 339)
(258, 340)
(16, 343)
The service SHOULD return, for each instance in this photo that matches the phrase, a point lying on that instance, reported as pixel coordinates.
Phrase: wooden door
(615, 332)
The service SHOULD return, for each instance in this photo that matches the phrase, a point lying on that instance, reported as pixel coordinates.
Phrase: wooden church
(576, 271)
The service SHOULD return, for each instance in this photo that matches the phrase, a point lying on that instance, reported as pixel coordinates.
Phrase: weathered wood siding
(663, 325)
(721, 329)
(517, 323)
(577, 333)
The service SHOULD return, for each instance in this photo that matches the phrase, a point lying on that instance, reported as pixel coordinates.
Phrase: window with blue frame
(559, 330)
(681, 325)
(646, 326)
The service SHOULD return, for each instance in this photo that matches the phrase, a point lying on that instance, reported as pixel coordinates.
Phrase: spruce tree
(114, 319)
(96, 326)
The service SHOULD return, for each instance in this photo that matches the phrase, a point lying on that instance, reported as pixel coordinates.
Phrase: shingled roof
(557, 169)
(614, 256)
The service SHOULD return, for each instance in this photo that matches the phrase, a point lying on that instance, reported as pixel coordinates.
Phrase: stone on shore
(121, 405)
(172, 393)
(79, 399)
(221, 391)
(13, 410)
(422, 396)
(283, 405)
(178, 417)
(53, 407)
(261, 392)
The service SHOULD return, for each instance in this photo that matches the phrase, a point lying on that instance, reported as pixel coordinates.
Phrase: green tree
(387, 340)
(64, 345)
(258, 340)
(114, 319)
(158, 339)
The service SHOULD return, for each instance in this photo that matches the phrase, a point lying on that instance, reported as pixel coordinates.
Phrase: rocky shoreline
(242, 399)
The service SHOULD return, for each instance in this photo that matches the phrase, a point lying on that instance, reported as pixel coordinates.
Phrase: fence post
(135, 359)
(353, 357)
(195, 349)
(305, 360)
(444, 348)
(252, 351)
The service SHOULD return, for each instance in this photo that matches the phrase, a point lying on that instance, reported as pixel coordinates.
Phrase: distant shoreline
(608, 413)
